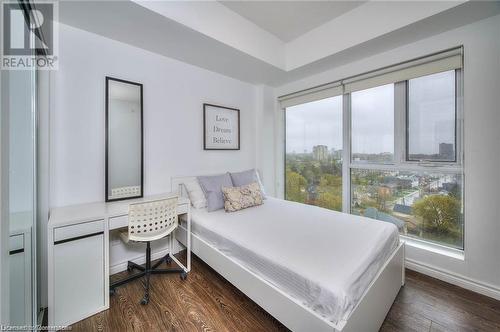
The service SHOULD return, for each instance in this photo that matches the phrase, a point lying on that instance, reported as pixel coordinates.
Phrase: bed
(311, 268)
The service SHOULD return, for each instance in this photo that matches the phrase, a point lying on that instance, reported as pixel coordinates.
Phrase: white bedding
(324, 259)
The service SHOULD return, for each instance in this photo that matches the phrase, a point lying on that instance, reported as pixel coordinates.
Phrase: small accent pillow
(247, 177)
(212, 188)
(238, 198)
(195, 193)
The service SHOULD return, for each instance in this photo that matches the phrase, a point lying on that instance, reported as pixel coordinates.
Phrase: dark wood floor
(207, 302)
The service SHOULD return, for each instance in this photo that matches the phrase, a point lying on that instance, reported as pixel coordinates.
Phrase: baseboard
(138, 260)
(454, 279)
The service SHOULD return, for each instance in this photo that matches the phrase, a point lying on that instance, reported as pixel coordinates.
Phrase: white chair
(150, 221)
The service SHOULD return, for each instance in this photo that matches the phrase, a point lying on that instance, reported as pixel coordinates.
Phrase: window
(372, 123)
(313, 158)
(403, 158)
(432, 117)
(421, 204)
(420, 200)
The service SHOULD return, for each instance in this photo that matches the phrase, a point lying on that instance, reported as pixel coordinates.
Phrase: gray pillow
(245, 178)
(212, 188)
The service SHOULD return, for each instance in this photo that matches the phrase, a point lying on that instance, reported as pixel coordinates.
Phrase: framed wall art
(221, 129)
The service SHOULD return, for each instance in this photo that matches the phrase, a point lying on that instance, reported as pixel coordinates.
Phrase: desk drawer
(118, 222)
(122, 221)
(73, 232)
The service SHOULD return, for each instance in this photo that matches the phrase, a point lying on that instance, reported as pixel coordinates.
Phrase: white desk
(78, 256)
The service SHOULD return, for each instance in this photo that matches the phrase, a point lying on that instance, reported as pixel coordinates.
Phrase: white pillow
(261, 185)
(196, 195)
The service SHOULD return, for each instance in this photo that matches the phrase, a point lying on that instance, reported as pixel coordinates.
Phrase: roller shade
(306, 96)
(440, 62)
(432, 64)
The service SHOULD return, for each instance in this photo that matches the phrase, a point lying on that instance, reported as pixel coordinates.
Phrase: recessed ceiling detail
(288, 34)
(233, 42)
(288, 20)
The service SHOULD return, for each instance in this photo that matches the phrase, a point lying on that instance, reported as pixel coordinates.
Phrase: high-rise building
(320, 152)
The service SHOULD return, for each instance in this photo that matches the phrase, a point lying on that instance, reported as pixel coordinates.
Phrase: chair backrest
(149, 221)
(125, 191)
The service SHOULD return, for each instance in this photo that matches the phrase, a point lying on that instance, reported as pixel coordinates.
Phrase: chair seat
(153, 236)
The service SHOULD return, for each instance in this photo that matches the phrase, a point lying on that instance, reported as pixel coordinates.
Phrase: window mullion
(459, 116)
(346, 153)
(400, 127)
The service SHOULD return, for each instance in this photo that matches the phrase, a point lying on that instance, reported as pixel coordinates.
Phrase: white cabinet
(77, 276)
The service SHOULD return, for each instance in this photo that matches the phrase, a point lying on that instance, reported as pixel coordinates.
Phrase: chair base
(146, 271)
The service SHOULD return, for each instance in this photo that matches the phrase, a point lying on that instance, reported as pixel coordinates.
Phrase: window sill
(434, 248)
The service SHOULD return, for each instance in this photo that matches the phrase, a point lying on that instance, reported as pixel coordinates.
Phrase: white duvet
(324, 259)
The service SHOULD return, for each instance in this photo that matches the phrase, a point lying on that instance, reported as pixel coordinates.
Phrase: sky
(314, 123)
(431, 118)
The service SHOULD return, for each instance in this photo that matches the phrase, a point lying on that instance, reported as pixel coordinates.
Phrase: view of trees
(315, 182)
(428, 205)
(423, 205)
(423, 200)
(439, 213)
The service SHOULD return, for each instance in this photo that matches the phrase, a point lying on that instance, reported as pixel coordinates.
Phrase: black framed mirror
(124, 177)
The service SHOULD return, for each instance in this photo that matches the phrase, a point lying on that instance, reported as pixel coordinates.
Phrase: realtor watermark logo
(29, 35)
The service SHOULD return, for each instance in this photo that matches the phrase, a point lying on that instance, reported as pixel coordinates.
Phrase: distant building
(404, 209)
(450, 186)
(396, 182)
(446, 151)
(337, 155)
(320, 152)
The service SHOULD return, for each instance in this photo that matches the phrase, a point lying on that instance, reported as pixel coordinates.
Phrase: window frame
(401, 142)
(344, 113)
(368, 162)
(400, 162)
(457, 159)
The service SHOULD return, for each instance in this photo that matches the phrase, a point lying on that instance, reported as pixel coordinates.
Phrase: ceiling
(212, 36)
(288, 20)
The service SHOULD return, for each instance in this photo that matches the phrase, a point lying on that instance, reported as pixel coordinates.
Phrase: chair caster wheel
(112, 291)
(168, 260)
(145, 300)
(184, 276)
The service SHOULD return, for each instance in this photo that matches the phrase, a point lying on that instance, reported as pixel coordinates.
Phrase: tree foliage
(330, 201)
(440, 213)
(295, 186)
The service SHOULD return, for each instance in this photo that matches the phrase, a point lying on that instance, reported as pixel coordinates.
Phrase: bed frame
(368, 315)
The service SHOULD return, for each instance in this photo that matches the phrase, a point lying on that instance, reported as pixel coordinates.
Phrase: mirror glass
(124, 175)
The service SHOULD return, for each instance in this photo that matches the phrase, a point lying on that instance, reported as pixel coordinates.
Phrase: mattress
(323, 259)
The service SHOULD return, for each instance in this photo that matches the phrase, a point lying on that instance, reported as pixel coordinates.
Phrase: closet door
(20, 279)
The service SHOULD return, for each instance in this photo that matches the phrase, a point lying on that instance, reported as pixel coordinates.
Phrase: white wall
(173, 116)
(173, 121)
(266, 153)
(480, 270)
